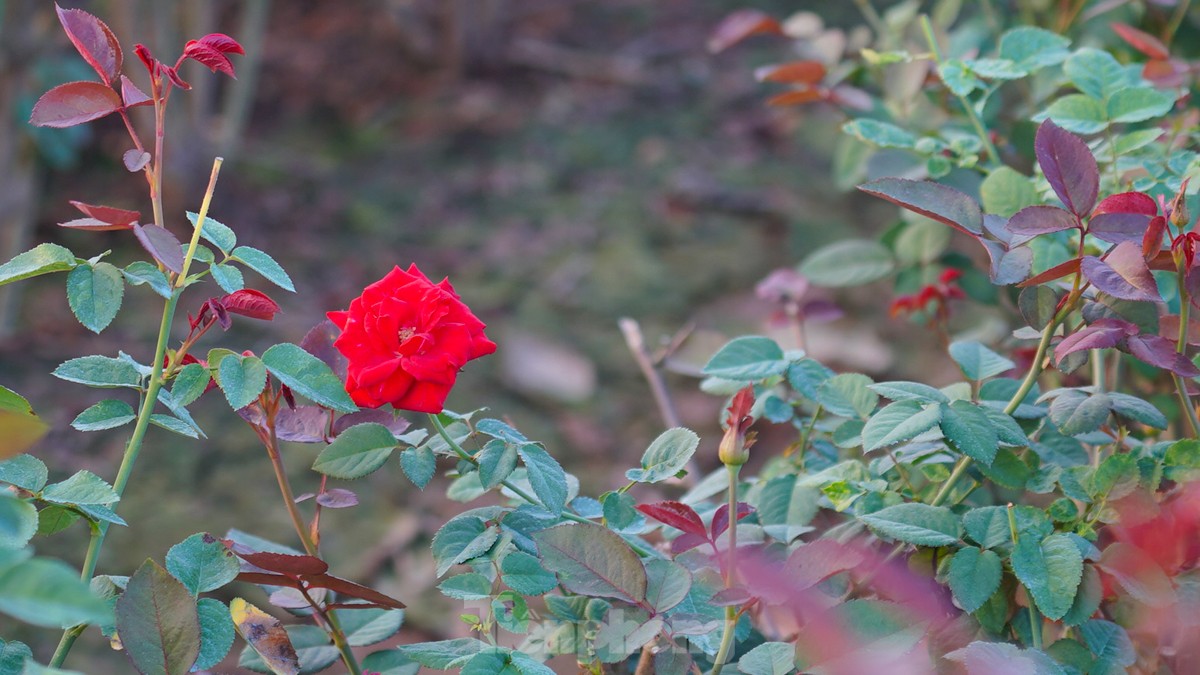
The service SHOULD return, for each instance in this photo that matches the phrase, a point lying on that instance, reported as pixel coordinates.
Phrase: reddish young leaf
(720, 521)
(148, 60)
(1161, 261)
(1167, 74)
(173, 75)
(133, 96)
(1069, 166)
(797, 72)
(135, 160)
(740, 25)
(1102, 334)
(95, 42)
(1159, 351)
(798, 97)
(1057, 272)
(1032, 221)
(676, 514)
(337, 498)
(1122, 274)
(222, 43)
(108, 214)
(74, 103)
(933, 200)
(687, 542)
(251, 303)
(1118, 227)
(269, 579)
(93, 225)
(1128, 202)
(282, 563)
(1152, 239)
(208, 56)
(344, 587)
(161, 244)
(1141, 41)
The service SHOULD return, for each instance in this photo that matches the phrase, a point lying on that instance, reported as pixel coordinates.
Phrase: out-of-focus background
(565, 162)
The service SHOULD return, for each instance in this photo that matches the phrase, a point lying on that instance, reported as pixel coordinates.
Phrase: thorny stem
(980, 130)
(567, 515)
(731, 612)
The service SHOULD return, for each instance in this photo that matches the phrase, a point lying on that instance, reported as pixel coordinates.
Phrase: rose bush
(405, 339)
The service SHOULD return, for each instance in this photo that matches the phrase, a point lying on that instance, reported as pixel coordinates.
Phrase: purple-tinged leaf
(1057, 272)
(337, 498)
(1159, 351)
(108, 214)
(720, 521)
(687, 542)
(132, 96)
(302, 424)
(1008, 266)
(1168, 327)
(135, 160)
(74, 103)
(319, 342)
(731, 597)
(1104, 334)
(997, 227)
(1031, 221)
(1128, 202)
(93, 225)
(1152, 240)
(1069, 166)
(1122, 274)
(933, 200)
(161, 244)
(676, 514)
(1118, 227)
(95, 42)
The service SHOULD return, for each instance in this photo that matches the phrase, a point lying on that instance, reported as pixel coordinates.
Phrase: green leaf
(511, 612)
(18, 521)
(1006, 191)
(48, 593)
(667, 584)
(968, 428)
(202, 563)
(356, 452)
(419, 464)
(748, 359)
(1110, 643)
(216, 633)
(215, 232)
(158, 622)
(312, 646)
(12, 657)
(1079, 113)
(909, 391)
(1087, 598)
(546, 476)
(1138, 104)
(620, 512)
(1076, 412)
(786, 505)
(978, 362)
(958, 78)
(94, 293)
(897, 422)
(99, 371)
(41, 259)
(19, 426)
(463, 537)
(667, 455)
(25, 471)
(850, 262)
(368, 626)
(921, 242)
(1050, 570)
(106, 414)
(443, 655)
(592, 560)
(848, 395)
(1096, 73)
(141, 272)
(996, 69)
(242, 379)
(986, 658)
(469, 586)
(390, 662)
(175, 425)
(228, 277)
(265, 265)
(1134, 408)
(54, 519)
(974, 575)
(84, 487)
(769, 658)
(880, 134)
(916, 523)
(525, 574)
(496, 460)
(1033, 48)
(190, 383)
(308, 376)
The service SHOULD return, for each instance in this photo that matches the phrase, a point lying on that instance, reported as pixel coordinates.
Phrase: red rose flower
(405, 339)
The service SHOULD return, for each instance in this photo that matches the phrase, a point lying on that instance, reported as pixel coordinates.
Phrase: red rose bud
(405, 339)
(735, 444)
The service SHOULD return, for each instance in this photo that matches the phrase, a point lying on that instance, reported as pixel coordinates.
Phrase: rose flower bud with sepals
(735, 445)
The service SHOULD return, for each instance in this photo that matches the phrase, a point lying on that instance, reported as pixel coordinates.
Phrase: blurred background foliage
(565, 162)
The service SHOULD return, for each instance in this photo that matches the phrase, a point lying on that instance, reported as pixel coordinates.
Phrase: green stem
(1181, 11)
(200, 217)
(567, 515)
(1185, 307)
(731, 613)
(980, 130)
